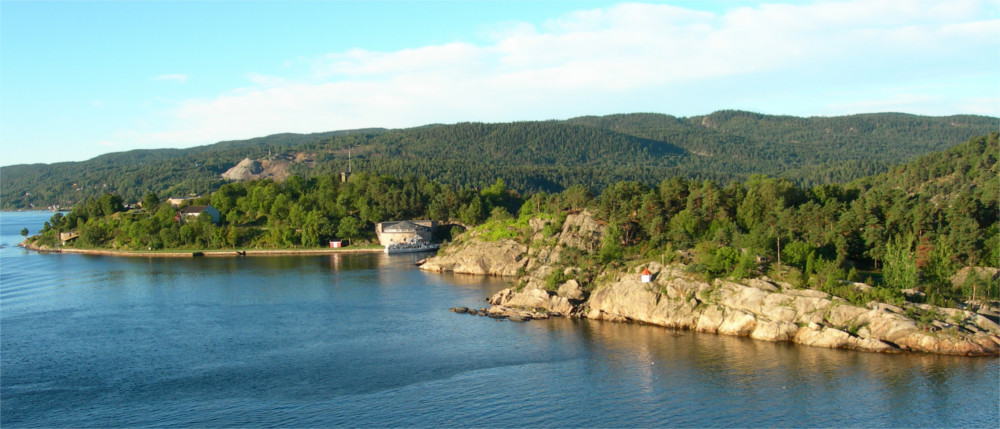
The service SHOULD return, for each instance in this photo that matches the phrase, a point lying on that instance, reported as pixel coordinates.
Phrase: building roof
(194, 209)
(402, 226)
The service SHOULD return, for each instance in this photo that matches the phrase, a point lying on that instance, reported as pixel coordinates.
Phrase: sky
(79, 79)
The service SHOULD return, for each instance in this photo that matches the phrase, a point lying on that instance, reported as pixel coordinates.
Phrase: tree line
(266, 214)
(914, 226)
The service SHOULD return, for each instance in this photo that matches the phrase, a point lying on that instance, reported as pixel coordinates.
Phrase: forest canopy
(551, 156)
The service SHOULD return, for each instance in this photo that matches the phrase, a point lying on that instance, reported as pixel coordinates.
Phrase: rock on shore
(760, 308)
(763, 310)
(508, 258)
(497, 258)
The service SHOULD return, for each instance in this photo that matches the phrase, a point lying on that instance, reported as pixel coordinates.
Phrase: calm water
(368, 340)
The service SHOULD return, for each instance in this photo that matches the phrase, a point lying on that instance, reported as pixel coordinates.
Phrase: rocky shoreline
(760, 308)
(198, 253)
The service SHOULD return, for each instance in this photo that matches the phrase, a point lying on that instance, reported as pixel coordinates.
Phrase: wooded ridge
(593, 152)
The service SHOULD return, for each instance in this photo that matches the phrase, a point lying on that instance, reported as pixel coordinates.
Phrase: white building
(405, 231)
(195, 211)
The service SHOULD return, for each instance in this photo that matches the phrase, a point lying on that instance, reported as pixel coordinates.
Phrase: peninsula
(676, 296)
(905, 261)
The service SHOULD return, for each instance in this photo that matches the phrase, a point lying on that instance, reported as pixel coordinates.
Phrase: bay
(367, 340)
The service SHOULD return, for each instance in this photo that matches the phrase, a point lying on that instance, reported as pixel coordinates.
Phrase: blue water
(367, 340)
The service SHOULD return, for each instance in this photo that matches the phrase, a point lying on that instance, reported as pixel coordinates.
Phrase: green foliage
(554, 279)
(499, 232)
(349, 227)
(500, 214)
(900, 267)
(726, 259)
(611, 249)
(262, 213)
(588, 153)
(551, 229)
(977, 289)
(797, 253)
(941, 265)
(746, 267)
(109, 204)
(717, 261)
(150, 202)
(853, 276)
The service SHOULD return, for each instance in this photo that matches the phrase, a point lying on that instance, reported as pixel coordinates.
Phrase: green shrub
(746, 268)
(554, 279)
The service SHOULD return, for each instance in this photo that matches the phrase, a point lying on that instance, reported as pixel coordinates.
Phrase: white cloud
(175, 77)
(628, 57)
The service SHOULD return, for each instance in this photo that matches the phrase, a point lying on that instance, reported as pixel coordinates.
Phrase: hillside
(543, 155)
(902, 261)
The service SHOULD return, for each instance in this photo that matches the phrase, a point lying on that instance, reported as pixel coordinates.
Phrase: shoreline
(214, 253)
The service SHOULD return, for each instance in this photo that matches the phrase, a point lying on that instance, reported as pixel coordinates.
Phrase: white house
(195, 211)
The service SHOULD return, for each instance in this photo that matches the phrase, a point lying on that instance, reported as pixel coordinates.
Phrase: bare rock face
(571, 290)
(581, 231)
(276, 168)
(515, 314)
(246, 169)
(499, 258)
(806, 317)
(774, 331)
(533, 299)
(985, 273)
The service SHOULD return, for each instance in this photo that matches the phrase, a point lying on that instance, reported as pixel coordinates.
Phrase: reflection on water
(367, 340)
(826, 386)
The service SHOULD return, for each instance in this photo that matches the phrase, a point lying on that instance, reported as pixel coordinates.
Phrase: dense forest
(265, 214)
(914, 226)
(551, 156)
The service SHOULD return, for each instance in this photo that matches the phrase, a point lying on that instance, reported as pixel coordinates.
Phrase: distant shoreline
(215, 253)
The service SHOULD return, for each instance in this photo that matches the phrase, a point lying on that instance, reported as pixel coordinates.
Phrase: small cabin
(646, 275)
(336, 244)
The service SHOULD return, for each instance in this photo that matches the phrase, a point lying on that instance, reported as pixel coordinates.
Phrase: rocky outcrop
(765, 311)
(475, 255)
(485, 258)
(582, 231)
(533, 299)
(761, 308)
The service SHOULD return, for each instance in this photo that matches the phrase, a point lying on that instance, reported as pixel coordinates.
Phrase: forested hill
(544, 155)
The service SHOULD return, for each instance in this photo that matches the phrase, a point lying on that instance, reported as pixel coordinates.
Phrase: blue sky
(79, 79)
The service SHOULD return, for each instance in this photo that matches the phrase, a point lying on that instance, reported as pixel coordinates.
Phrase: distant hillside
(541, 155)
